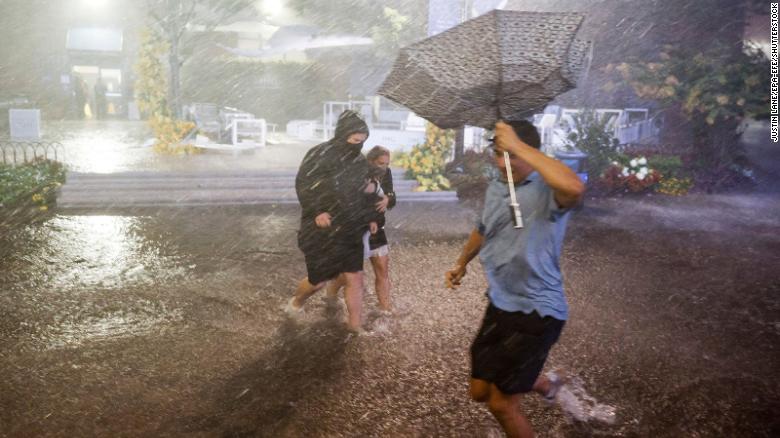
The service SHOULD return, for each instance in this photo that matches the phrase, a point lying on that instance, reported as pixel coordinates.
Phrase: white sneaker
(556, 383)
(385, 313)
(291, 310)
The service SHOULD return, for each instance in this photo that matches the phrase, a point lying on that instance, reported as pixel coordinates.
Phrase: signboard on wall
(25, 124)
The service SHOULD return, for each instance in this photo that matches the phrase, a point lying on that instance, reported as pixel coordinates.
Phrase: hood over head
(349, 123)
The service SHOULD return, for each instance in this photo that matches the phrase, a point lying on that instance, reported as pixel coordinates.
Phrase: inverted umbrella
(501, 65)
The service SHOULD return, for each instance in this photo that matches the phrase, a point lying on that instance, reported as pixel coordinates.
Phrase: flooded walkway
(118, 146)
(170, 324)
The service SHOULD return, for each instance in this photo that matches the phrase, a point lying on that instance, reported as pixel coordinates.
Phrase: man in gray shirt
(527, 308)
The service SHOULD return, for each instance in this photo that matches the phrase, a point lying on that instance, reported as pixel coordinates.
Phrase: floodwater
(170, 323)
(121, 146)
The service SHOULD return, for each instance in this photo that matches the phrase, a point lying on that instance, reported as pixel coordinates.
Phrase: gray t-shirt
(522, 264)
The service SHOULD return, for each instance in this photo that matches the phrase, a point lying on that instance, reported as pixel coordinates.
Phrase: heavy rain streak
(389, 218)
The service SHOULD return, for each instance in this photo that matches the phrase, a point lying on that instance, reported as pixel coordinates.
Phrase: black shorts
(327, 263)
(511, 348)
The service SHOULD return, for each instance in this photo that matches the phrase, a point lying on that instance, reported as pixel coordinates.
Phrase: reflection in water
(90, 278)
(144, 317)
(119, 146)
(103, 146)
(105, 154)
(102, 247)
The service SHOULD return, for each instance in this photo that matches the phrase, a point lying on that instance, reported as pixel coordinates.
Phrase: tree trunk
(174, 85)
(174, 64)
(459, 144)
(676, 133)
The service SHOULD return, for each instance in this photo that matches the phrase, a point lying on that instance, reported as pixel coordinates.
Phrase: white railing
(240, 128)
(248, 132)
(629, 125)
(332, 109)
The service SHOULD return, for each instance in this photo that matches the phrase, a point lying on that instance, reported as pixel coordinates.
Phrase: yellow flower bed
(675, 186)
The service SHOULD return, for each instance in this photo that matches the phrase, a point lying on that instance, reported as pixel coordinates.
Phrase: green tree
(715, 89)
(392, 24)
(171, 19)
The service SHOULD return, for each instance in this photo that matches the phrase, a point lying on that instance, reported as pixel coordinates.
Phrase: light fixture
(272, 8)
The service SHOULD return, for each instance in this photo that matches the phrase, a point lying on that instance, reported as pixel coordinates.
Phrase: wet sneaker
(556, 383)
(384, 313)
(354, 334)
(291, 310)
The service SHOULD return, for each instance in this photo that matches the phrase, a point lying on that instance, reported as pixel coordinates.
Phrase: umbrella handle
(517, 216)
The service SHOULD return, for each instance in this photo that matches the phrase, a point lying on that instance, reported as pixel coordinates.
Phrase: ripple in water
(75, 332)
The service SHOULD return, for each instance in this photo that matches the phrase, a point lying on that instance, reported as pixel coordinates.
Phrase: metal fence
(14, 152)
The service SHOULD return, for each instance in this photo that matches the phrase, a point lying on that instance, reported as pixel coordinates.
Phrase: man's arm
(470, 250)
(566, 185)
(314, 188)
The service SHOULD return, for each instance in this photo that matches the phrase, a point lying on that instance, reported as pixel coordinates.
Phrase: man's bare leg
(335, 285)
(304, 291)
(382, 281)
(479, 390)
(504, 407)
(353, 296)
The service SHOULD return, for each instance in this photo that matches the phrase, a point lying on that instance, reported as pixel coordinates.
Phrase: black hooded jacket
(330, 180)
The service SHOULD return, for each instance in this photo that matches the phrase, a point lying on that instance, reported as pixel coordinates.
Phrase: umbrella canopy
(501, 65)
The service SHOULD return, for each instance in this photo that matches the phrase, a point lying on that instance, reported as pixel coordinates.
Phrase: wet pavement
(118, 146)
(169, 323)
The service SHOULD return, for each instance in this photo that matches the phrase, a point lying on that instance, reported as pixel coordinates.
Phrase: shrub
(31, 184)
(169, 134)
(592, 137)
(425, 162)
(669, 166)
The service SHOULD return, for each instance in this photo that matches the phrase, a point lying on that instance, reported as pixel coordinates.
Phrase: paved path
(178, 189)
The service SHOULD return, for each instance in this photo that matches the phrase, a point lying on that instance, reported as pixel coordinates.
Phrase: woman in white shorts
(375, 246)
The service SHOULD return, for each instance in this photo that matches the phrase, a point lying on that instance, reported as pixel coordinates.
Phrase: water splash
(381, 327)
(578, 405)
